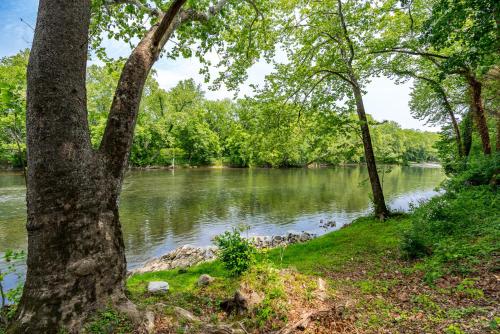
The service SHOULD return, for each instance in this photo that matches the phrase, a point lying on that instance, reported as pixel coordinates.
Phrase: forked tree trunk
(76, 260)
(479, 114)
(381, 210)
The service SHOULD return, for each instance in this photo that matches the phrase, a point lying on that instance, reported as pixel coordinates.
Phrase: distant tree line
(181, 126)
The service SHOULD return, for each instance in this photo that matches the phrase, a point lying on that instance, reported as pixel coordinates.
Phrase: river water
(164, 209)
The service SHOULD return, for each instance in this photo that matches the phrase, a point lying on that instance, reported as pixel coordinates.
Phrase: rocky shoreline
(187, 255)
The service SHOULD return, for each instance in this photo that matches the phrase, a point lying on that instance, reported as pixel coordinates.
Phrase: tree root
(303, 322)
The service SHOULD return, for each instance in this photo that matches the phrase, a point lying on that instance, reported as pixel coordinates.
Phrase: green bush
(235, 252)
(480, 170)
(452, 232)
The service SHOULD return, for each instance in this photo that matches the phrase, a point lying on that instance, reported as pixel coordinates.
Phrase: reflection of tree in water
(12, 211)
(158, 206)
(188, 201)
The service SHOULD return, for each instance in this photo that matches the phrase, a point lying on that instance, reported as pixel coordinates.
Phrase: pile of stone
(182, 257)
(281, 240)
(327, 224)
(187, 256)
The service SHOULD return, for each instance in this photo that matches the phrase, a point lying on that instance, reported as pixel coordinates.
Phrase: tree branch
(410, 52)
(165, 23)
(192, 15)
(340, 75)
(118, 135)
(346, 33)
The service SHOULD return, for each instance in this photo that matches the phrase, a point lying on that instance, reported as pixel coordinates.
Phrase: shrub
(235, 252)
(482, 170)
(458, 229)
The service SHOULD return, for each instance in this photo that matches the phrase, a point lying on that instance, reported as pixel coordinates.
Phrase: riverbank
(434, 270)
(188, 256)
(359, 279)
(426, 164)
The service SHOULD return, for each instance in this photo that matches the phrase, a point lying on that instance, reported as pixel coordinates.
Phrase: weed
(467, 289)
(109, 321)
(454, 329)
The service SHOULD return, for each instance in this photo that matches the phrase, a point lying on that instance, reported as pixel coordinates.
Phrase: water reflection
(161, 210)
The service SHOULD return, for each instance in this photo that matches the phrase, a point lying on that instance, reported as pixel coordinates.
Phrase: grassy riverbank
(434, 270)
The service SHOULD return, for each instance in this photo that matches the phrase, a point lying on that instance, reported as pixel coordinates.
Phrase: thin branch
(412, 23)
(29, 25)
(341, 75)
(339, 43)
(346, 33)
(410, 52)
(310, 92)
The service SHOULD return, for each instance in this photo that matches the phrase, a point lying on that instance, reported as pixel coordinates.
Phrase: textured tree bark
(76, 260)
(479, 114)
(76, 256)
(381, 210)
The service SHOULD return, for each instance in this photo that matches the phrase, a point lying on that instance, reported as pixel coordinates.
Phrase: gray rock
(158, 287)
(149, 322)
(187, 256)
(186, 315)
(205, 280)
(327, 224)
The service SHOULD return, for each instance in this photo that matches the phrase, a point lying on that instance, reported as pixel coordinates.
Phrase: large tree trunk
(479, 114)
(378, 195)
(76, 256)
(76, 260)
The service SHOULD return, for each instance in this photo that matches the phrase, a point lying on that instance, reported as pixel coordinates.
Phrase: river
(164, 209)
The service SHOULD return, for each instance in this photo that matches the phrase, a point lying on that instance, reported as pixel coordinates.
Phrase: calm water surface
(161, 210)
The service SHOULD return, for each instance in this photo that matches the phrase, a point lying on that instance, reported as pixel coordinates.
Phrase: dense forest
(75, 119)
(182, 127)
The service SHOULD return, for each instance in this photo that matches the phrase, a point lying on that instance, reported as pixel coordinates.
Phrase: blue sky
(384, 99)
(14, 34)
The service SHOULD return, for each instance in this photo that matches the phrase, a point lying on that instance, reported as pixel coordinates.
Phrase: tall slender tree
(327, 62)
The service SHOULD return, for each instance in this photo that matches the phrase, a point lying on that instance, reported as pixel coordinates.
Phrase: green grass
(179, 281)
(109, 321)
(363, 240)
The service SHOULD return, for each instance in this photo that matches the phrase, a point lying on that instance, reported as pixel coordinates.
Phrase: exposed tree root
(303, 322)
